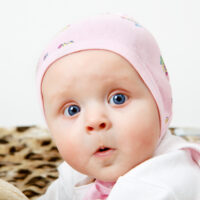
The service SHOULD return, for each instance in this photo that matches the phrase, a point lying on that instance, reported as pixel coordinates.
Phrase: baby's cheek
(67, 147)
(72, 152)
(137, 139)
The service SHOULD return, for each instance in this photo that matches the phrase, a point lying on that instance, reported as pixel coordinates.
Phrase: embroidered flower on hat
(64, 44)
(163, 66)
(166, 119)
(132, 20)
(45, 56)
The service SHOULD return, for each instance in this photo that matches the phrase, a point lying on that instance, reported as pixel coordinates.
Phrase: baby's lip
(103, 151)
(102, 148)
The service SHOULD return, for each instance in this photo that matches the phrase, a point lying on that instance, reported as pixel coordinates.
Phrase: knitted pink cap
(124, 36)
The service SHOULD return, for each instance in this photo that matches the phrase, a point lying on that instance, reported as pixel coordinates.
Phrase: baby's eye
(71, 110)
(118, 99)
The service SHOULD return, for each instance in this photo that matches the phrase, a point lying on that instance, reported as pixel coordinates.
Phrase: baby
(106, 98)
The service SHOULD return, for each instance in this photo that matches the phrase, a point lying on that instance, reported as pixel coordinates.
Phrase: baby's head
(105, 95)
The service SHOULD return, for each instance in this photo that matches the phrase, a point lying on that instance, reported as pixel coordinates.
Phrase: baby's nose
(97, 125)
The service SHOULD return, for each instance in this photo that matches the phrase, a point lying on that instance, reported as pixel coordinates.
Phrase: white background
(26, 26)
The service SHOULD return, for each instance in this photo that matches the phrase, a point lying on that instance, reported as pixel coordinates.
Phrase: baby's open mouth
(103, 151)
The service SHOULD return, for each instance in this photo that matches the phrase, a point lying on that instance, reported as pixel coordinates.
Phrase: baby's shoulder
(175, 173)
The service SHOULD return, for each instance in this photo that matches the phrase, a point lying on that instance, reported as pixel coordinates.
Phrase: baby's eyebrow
(55, 97)
(58, 96)
(61, 92)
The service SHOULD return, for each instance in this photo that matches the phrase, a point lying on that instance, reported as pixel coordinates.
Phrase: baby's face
(102, 116)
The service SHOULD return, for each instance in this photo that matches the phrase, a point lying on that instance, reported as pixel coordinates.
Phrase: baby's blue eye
(72, 110)
(118, 99)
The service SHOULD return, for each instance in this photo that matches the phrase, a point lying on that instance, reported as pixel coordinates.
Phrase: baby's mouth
(103, 151)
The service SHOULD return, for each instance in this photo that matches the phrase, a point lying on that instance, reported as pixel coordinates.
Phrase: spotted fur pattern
(28, 159)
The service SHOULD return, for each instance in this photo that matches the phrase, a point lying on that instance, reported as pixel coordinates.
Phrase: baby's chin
(108, 175)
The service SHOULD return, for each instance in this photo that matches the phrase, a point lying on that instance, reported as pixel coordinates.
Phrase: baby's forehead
(100, 70)
(92, 65)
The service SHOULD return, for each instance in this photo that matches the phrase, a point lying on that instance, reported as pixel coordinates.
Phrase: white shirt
(173, 173)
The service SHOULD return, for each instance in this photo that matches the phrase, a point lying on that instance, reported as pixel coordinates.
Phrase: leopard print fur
(28, 159)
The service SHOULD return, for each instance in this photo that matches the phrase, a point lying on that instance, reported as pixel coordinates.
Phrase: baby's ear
(10, 192)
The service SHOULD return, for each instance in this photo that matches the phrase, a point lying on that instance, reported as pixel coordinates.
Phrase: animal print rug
(29, 158)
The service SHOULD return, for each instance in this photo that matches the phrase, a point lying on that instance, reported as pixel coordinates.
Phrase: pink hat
(124, 36)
